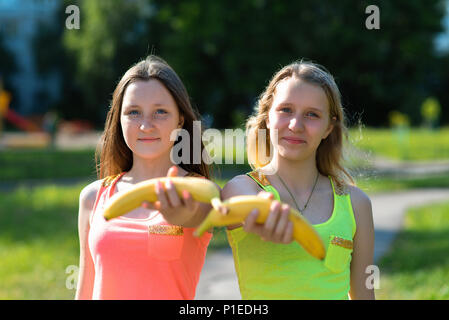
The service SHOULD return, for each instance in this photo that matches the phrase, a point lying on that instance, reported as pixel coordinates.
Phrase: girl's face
(149, 115)
(300, 113)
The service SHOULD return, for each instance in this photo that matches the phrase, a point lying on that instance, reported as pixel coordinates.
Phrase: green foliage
(226, 51)
(112, 37)
(430, 111)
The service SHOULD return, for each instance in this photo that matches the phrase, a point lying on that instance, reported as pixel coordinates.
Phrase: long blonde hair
(113, 155)
(329, 155)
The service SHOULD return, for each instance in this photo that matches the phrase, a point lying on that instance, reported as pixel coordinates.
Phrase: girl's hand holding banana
(177, 210)
(183, 201)
(270, 219)
(277, 228)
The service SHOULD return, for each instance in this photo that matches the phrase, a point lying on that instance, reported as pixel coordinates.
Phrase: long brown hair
(113, 155)
(329, 155)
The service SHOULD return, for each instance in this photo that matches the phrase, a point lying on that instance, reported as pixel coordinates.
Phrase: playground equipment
(5, 98)
(21, 122)
(32, 137)
(14, 118)
(10, 115)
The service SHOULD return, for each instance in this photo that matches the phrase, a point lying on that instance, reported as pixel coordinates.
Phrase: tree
(226, 51)
(112, 37)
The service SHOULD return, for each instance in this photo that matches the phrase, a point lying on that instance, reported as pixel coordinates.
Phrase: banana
(202, 190)
(239, 207)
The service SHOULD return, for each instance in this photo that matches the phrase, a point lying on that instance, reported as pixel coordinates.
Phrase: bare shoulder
(89, 194)
(361, 205)
(240, 185)
(358, 197)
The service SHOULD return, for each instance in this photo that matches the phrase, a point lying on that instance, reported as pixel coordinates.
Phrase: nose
(296, 124)
(146, 124)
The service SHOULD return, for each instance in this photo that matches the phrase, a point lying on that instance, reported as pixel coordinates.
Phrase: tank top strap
(97, 199)
(263, 182)
(108, 181)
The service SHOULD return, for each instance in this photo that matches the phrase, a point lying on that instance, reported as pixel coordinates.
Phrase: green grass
(39, 239)
(46, 164)
(415, 144)
(420, 144)
(381, 184)
(417, 266)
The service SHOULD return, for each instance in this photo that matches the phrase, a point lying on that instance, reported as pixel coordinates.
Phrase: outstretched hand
(277, 228)
(175, 209)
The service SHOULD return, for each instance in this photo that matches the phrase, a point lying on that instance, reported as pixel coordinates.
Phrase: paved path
(218, 280)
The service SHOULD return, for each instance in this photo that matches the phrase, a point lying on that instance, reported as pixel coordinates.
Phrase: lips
(148, 139)
(294, 140)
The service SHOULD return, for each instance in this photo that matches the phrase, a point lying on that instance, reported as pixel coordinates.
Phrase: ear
(329, 128)
(181, 121)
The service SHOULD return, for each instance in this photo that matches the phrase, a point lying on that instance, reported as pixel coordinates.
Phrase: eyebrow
(130, 106)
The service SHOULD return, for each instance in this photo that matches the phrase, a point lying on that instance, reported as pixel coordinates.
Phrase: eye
(312, 114)
(133, 112)
(285, 110)
(161, 111)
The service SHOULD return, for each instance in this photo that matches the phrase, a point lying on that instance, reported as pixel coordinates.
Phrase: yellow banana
(239, 207)
(202, 190)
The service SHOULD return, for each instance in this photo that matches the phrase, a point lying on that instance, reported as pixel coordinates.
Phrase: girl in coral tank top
(150, 252)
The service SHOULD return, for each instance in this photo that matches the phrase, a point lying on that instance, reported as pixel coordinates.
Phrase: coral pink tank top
(143, 258)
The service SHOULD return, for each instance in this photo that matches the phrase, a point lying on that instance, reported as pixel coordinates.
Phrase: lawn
(417, 266)
(39, 240)
(419, 144)
(411, 145)
(38, 225)
(376, 184)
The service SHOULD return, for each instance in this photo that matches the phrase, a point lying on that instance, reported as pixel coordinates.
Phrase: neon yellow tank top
(272, 271)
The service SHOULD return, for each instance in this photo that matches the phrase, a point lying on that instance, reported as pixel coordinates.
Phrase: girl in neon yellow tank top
(303, 119)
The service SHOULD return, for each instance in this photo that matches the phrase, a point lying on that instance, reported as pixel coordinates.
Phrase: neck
(298, 175)
(144, 169)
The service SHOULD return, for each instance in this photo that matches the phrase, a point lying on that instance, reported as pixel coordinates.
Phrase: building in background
(19, 21)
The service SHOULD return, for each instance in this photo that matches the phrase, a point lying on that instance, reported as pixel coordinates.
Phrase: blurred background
(57, 76)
